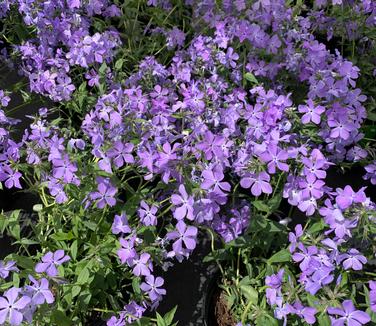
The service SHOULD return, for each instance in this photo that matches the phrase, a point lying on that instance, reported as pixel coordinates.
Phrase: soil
(222, 313)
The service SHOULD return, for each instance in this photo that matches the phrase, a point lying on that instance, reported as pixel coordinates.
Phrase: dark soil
(222, 313)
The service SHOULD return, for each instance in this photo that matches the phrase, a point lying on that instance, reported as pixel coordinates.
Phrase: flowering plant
(249, 111)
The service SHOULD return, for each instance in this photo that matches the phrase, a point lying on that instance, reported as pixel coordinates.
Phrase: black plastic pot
(209, 304)
(188, 284)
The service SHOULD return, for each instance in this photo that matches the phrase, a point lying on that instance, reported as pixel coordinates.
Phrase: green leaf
(60, 236)
(317, 226)
(83, 277)
(15, 231)
(60, 318)
(73, 249)
(249, 293)
(76, 289)
(251, 77)
(160, 320)
(261, 206)
(136, 286)
(37, 207)
(280, 257)
(324, 320)
(169, 317)
(119, 64)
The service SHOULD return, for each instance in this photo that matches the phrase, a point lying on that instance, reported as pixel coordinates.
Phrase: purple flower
(49, 262)
(305, 257)
(57, 190)
(311, 187)
(372, 295)
(4, 99)
(121, 153)
(152, 287)
(127, 251)
(147, 214)
(11, 177)
(311, 112)
(348, 196)
(105, 194)
(120, 224)
(10, 307)
(259, 182)
(64, 169)
(338, 223)
(308, 313)
(294, 237)
(353, 260)
(348, 315)
(184, 234)
(7, 267)
(212, 180)
(92, 77)
(322, 276)
(274, 157)
(186, 204)
(39, 291)
(308, 206)
(341, 127)
(273, 292)
(142, 265)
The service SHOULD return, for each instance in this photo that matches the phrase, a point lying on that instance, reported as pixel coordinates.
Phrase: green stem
(245, 312)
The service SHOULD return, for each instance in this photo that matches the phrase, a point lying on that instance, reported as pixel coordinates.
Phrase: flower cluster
(326, 258)
(63, 40)
(252, 107)
(18, 305)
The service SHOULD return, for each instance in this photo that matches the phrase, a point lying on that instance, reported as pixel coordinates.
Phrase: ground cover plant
(160, 119)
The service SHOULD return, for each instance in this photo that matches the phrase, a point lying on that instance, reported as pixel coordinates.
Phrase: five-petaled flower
(49, 262)
(348, 315)
(11, 306)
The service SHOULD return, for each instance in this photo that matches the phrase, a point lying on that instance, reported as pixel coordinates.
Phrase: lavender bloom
(371, 173)
(127, 252)
(348, 314)
(338, 223)
(142, 265)
(121, 153)
(152, 287)
(105, 194)
(372, 295)
(64, 169)
(39, 291)
(259, 182)
(274, 157)
(147, 214)
(348, 196)
(311, 112)
(11, 178)
(294, 237)
(120, 224)
(175, 37)
(10, 307)
(133, 311)
(7, 267)
(186, 204)
(184, 234)
(49, 262)
(273, 292)
(4, 99)
(322, 276)
(212, 180)
(305, 257)
(311, 187)
(308, 313)
(353, 260)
